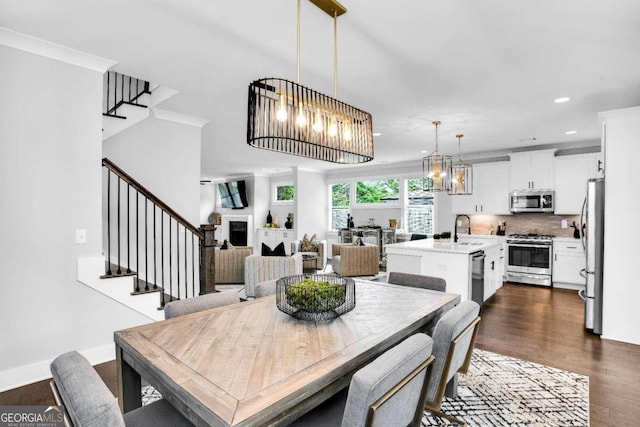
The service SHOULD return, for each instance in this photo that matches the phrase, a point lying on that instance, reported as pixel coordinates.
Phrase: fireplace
(238, 233)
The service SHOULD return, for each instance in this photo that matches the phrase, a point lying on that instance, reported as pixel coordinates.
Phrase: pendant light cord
(436, 138)
(298, 47)
(335, 54)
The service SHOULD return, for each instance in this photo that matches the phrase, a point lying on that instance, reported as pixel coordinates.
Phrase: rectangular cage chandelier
(289, 118)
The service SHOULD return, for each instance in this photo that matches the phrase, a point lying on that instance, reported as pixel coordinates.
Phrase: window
(419, 208)
(284, 193)
(340, 198)
(378, 191)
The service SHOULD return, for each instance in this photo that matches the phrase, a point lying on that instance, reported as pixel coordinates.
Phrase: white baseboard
(28, 374)
(568, 286)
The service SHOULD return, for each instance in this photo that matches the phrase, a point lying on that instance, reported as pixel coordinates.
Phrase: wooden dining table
(249, 364)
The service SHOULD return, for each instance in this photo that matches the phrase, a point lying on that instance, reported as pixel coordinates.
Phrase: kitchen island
(452, 262)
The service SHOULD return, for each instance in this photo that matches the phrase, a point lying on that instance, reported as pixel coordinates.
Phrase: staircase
(127, 101)
(152, 255)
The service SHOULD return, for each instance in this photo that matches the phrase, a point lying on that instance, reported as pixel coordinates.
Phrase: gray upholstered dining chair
(199, 303)
(417, 281)
(266, 288)
(453, 340)
(89, 402)
(390, 391)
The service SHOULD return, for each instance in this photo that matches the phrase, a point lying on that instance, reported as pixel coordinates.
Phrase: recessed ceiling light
(376, 134)
(562, 100)
(424, 151)
(571, 132)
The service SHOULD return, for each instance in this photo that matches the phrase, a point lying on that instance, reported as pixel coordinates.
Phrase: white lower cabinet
(492, 275)
(568, 260)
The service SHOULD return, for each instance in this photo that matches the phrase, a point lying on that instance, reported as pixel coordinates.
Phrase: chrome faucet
(455, 227)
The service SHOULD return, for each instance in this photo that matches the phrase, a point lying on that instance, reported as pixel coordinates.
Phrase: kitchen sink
(469, 243)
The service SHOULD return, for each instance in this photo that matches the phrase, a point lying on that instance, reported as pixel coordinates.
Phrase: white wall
(207, 201)
(50, 185)
(312, 204)
(621, 314)
(164, 157)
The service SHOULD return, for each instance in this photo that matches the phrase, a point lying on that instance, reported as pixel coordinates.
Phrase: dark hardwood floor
(546, 326)
(533, 323)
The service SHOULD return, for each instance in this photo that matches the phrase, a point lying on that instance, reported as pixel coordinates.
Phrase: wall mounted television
(233, 194)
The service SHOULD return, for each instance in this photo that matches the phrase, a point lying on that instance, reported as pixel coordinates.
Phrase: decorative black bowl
(315, 297)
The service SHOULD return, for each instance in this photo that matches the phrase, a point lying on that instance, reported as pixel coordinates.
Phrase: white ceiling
(487, 68)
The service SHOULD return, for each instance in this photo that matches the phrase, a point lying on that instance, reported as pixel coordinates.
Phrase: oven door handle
(529, 245)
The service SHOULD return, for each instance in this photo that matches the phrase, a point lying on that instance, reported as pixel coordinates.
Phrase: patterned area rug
(503, 391)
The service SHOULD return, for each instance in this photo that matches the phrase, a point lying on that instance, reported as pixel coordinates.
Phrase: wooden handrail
(152, 197)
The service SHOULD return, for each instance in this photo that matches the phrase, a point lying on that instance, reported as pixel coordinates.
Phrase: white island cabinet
(448, 260)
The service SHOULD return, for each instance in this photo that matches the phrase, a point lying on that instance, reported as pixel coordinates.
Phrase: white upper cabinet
(531, 170)
(572, 173)
(490, 191)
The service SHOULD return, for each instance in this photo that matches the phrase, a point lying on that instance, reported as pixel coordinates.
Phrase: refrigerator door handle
(583, 273)
(582, 217)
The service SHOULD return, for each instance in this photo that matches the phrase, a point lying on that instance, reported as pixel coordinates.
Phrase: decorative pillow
(277, 251)
(230, 246)
(358, 242)
(309, 244)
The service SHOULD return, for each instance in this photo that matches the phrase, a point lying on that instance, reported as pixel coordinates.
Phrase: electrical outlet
(563, 223)
(81, 236)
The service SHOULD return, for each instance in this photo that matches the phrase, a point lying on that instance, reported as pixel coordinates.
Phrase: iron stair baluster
(108, 223)
(146, 249)
(119, 271)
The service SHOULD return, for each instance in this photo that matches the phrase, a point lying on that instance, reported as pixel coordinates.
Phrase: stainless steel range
(529, 259)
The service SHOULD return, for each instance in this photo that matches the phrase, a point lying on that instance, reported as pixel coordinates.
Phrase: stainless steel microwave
(532, 201)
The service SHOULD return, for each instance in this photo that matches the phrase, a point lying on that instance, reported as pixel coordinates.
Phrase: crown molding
(179, 118)
(55, 51)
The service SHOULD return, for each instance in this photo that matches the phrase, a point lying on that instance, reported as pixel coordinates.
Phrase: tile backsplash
(540, 223)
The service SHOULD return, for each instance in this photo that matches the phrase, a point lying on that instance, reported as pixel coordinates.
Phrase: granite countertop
(431, 245)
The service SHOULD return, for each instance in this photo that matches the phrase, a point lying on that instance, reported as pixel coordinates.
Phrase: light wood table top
(250, 364)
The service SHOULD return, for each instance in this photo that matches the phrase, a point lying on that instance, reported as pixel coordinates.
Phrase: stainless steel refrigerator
(592, 225)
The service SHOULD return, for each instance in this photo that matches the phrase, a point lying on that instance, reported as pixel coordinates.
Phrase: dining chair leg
(447, 417)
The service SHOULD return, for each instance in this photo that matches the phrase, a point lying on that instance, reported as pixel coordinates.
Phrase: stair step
(134, 104)
(114, 272)
(115, 116)
(167, 298)
(145, 287)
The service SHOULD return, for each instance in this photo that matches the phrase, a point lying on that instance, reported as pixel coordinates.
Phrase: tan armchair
(322, 252)
(349, 260)
(230, 264)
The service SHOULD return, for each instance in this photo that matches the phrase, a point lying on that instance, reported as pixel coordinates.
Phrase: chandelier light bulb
(281, 115)
(317, 124)
(301, 119)
(333, 127)
(347, 133)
